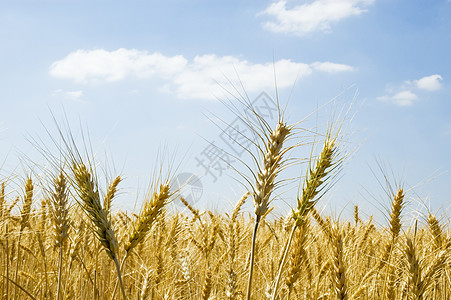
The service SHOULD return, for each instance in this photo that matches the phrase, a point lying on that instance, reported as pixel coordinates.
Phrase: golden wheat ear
(59, 201)
(436, 230)
(151, 208)
(314, 185)
(60, 218)
(265, 183)
(24, 221)
(26, 208)
(89, 199)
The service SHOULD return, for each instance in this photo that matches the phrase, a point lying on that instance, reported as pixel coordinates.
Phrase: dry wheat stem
(251, 261)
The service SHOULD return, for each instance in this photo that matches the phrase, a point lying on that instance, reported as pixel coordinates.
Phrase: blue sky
(143, 76)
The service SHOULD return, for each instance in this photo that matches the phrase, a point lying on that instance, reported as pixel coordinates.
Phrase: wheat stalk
(339, 267)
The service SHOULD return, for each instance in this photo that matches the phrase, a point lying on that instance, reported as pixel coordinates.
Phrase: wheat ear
(313, 185)
(436, 230)
(395, 215)
(207, 286)
(151, 208)
(40, 235)
(2, 202)
(418, 283)
(357, 219)
(194, 211)
(90, 202)
(232, 249)
(26, 208)
(339, 267)
(298, 255)
(414, 269)
(270, 168)
(265, 183)
(111, 192)
(395, 227)
(60, 211)
(24, 222)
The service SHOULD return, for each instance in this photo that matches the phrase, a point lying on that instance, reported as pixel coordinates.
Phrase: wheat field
(60, 240)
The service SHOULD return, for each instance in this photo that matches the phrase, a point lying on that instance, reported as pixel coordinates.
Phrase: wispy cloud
(317, 15)
(69, 95)
(203, 77)
(403, 98)
(406, 93)
(331, 67)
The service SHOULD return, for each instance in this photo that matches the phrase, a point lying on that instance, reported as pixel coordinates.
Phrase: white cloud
(406, 94)
(315, 16)
(204, 77)
(429, 83)
(330, 67)
(100, 65)
(403, 98)
(70, 95)
(209, 75)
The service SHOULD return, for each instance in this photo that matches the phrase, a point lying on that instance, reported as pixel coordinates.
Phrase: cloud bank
(318, 15)
(203, 77)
